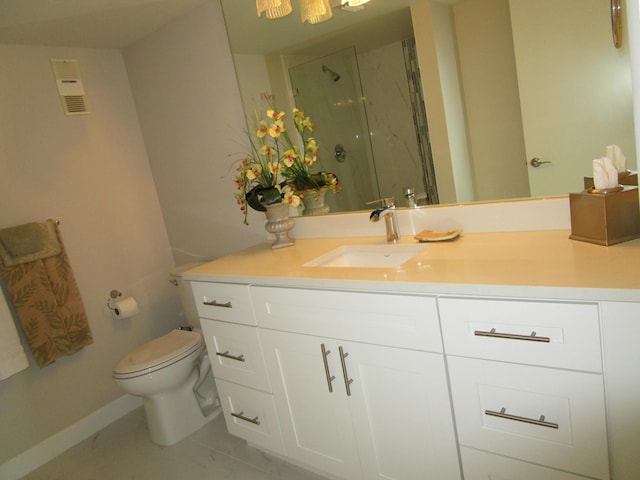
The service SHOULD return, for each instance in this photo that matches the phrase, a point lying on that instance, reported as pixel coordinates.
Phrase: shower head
(334, 76)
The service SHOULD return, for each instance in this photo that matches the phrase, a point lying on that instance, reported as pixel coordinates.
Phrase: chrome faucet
(410, 195)
(388, 211)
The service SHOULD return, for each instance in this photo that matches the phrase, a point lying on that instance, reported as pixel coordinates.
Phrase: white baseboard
(56, 444)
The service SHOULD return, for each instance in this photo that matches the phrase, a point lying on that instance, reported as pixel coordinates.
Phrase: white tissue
(617, 157)
(605, 175)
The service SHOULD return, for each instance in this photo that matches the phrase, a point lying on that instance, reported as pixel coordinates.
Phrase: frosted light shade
(274, 8)
(315, 11)
(264, 5)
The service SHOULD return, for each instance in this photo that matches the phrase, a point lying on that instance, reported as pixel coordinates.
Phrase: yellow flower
(301, 121)
(312, 145)
(289, 157)
(275, 116)
(275, 168)
(262, 130)
(276, 129)
(291, 198)
(268, 151)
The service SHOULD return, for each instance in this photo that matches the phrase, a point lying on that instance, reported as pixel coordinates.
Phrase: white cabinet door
(541, 415)
(399, 404)
(479, 465)
(315, 421)
(387, 415)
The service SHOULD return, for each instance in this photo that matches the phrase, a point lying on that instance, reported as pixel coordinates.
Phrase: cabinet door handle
(330, 378)
(512, 336)
(226, 354)
(347, 381)
(246, 419)
(214, 303)
(502, 414)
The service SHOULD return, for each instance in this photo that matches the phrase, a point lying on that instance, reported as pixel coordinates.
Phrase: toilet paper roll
(125, 308)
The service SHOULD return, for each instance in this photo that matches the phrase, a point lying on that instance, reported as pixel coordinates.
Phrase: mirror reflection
(453, 99)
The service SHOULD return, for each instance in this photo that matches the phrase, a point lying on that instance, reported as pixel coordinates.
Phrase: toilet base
(172, 416)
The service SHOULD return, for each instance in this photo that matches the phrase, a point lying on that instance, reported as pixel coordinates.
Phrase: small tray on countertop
(435, 236)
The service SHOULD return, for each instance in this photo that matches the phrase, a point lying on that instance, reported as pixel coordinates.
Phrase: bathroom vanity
(495, 355)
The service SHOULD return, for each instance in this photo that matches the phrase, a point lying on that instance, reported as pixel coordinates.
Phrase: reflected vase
(314, 202)
(279, 224)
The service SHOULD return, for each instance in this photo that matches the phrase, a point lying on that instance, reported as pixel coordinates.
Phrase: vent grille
(67, 74)
(75, 104)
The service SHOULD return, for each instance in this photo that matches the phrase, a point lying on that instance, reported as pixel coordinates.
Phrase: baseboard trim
(56, 444)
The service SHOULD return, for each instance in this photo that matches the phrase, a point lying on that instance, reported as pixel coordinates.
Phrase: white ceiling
(86, 23)
(118, 23)
(249, 33)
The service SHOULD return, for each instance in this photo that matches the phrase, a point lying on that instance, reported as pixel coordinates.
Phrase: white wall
(192, 120)
(90, 172)
(435, 45)
(94, 173)
(490, 86)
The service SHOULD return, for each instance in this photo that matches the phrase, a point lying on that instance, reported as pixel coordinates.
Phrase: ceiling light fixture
(315, 11)
(353, 5)
(274, 8)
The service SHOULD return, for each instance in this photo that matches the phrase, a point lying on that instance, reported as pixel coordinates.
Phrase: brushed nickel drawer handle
(330, 378)
(512, 336)
(502, 414)
(347, 381)
(246, 419)
(214, 303)
(226, 354)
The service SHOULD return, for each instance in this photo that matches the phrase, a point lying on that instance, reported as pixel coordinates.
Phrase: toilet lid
(157, 353)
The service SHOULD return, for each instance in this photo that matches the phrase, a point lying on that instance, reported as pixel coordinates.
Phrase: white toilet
(173, 376)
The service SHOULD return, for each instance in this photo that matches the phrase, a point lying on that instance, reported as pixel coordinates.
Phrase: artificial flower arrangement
(275, 171)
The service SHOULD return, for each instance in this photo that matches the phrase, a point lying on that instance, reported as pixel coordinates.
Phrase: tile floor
(123, 451)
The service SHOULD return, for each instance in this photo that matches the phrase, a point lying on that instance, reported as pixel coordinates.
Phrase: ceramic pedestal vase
(314, 202)
(279, 223)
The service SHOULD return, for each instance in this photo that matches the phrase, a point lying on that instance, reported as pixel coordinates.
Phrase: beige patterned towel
(43, 291)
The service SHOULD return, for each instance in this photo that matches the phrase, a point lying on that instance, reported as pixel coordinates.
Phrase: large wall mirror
(454, 99)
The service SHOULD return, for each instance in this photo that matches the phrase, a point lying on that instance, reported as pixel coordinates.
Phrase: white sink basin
(363, 256)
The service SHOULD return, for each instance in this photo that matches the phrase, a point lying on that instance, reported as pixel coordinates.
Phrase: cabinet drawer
(251, 415)
(235, 353)
(564, 335)
(479, 465)
(408, 321)
(550, 417)
(223, 301)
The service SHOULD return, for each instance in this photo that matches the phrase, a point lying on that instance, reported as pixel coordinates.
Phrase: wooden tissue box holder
(605, 217)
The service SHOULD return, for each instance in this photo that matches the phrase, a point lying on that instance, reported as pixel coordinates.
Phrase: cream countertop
(540, 264)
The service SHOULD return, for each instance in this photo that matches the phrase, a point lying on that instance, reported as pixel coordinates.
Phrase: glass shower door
(328, 89)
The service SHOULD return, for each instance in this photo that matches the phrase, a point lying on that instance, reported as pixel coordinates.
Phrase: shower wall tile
(391, 126)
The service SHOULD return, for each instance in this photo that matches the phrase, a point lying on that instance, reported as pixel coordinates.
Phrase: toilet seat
(158, 353)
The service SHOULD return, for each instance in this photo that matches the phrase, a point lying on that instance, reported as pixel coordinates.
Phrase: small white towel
(12, 356)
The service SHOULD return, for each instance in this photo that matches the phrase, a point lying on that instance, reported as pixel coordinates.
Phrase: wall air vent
(67, 73)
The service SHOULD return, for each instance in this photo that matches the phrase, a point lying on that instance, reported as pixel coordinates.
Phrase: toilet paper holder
(113, 296)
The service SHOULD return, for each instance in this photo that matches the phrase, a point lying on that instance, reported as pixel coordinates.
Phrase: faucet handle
(384, 202)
